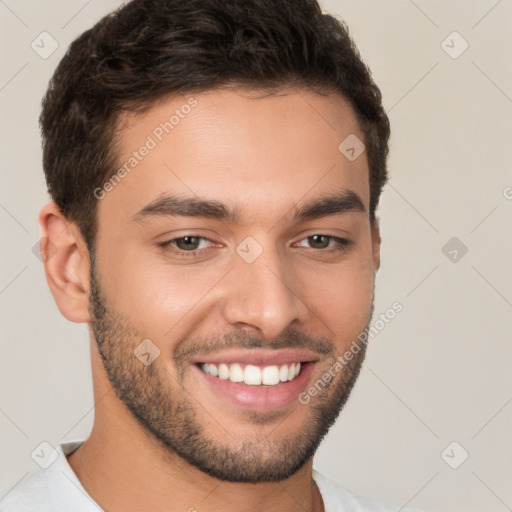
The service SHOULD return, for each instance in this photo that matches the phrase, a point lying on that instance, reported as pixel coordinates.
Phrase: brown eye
(188, 243)
(323, 242)
(186, 246)
(319, 241)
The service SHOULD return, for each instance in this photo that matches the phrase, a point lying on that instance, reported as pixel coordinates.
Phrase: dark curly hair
(149, 49)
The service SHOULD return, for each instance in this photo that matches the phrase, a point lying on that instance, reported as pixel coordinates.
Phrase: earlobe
(66, 263)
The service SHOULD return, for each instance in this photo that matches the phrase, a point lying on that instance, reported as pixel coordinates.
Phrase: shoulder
(28, 494)
(338, 499)
(49, 489)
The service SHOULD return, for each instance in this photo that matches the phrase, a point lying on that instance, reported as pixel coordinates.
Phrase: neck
(124, 473)
(123, 468)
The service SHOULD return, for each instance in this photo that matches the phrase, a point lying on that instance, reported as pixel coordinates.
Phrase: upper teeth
(253, 375)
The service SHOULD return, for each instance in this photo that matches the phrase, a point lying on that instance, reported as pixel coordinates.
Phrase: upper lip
(257, 357)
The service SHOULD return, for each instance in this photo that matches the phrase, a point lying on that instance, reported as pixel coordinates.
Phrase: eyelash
(343, 245)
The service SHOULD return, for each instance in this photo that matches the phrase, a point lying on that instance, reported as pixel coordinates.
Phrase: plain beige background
(436, 374)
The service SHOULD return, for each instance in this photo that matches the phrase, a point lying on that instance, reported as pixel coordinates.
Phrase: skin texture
(266, 155)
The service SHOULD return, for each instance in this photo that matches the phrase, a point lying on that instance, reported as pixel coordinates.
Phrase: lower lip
(260, 398)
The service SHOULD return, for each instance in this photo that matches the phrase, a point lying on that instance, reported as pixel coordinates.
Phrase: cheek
(342, 297)
(162, 300)
(154, 296)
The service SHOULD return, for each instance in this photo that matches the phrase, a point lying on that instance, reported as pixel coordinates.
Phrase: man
(215, 169)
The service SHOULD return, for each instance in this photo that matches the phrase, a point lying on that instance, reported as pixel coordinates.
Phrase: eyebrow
(328, 205)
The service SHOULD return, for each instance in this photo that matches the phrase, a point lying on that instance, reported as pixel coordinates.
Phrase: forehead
(259, 152)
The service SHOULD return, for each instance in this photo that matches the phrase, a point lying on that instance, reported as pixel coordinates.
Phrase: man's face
(228, 301)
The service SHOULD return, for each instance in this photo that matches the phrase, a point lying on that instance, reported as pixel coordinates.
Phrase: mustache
(292, 338)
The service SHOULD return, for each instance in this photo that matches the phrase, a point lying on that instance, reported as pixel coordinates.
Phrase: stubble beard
(172, 415)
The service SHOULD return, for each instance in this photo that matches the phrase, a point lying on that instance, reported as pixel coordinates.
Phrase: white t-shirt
(57, 489)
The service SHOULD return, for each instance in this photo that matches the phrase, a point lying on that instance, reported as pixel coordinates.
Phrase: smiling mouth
(257, 381)
(252, 375)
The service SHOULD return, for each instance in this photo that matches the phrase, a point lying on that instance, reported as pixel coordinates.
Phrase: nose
(263, 296)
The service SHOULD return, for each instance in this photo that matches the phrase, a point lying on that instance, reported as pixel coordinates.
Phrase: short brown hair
(149, 49)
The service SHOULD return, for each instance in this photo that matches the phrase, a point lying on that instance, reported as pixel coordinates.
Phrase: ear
(375, 231)
(66, 263)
